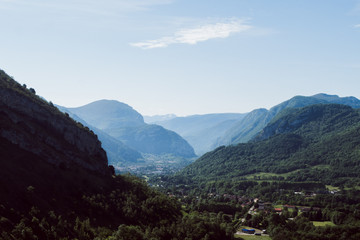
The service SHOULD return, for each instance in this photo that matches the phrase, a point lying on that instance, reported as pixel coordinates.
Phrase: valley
(101, 172)
(179, 120)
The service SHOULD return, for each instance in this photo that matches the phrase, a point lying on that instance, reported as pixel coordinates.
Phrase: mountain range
(56, 183)
(124, 133)
(247, 128)
(209, 131)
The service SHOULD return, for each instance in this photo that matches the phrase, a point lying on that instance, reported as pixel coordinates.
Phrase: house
(305, 209)
(290, 206)
(278, 209)
(248, 231)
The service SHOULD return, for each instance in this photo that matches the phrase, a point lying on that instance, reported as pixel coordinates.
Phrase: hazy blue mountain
(154, 139)
(256, 120)
(122, 122)
(245, 129)
(350, 101)
(105, 114)
(201, 131)
(117, 152)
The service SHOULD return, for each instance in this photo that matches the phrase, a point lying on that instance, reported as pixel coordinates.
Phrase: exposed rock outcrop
(37, 126)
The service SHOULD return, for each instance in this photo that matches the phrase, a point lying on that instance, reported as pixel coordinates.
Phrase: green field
(252, 237)
(331, 188)
(323, 224)
(268, 176)
(264, 175)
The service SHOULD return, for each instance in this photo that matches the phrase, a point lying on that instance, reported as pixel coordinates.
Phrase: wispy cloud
(357, 26)
(197, 34)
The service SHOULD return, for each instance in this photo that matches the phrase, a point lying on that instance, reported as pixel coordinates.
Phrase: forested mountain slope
(256, 120)
(314, 143)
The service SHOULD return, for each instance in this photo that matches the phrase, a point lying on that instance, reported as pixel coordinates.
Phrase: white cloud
(357, 26)
(198, 34)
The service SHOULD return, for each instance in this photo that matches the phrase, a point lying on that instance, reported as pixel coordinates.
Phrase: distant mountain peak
(123, 123)
(325, 95)
(106, 114)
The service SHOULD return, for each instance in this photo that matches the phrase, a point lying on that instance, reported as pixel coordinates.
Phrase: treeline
(301, 228)
(132, 211)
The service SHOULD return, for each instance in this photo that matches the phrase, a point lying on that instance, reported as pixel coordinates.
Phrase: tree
(125, 232)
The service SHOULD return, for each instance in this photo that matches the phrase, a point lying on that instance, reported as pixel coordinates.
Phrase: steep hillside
(38, 127)
(295, 143)
(201, 131)
(244, 129)
(127, 125)
(311, 122)
(255, 121)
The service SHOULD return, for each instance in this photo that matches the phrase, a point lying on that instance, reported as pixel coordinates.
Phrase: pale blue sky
(182, 56)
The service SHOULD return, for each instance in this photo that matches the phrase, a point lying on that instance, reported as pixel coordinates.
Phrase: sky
(182, 56)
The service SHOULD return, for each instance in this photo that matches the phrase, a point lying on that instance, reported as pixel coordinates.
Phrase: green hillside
(302, 169)
(255, 121)
(300, 139)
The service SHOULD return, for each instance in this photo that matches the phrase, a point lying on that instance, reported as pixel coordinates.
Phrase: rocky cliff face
(37, 126)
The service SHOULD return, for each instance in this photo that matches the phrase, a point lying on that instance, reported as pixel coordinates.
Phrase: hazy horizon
(182, 57)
